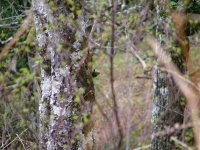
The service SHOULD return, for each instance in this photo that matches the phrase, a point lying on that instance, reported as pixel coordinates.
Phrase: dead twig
(143, 77)
(5, 146)
(21, 141)
(6, 41)
(135, 54)
(143, 147)
(115, 109)
(181, 143)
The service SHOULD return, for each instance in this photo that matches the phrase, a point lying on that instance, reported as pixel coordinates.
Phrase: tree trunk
(66, 87)
(167, 109)
(167, 98)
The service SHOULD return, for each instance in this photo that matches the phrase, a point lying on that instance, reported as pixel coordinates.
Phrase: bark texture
(167, 109)
(167, 98)
(66, 87)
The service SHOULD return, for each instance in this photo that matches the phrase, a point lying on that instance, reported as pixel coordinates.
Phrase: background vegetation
(20, 73)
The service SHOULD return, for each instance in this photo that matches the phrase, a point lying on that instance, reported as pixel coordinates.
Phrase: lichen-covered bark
(62, 74)
(40, 18)
(167, 109)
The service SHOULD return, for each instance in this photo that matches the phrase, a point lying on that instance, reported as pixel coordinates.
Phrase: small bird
(95, 73)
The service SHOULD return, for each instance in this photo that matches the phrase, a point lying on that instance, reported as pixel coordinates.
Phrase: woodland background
(128, 66)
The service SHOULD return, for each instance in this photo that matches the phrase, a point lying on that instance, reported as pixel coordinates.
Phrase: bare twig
(114, 8)
(24, 27)
(143, 77)
(5, 146)
(21, 141)
(6, 41)
(181, 143)
(10, 25)
(134, 53)
(12, 17)
(143, 147)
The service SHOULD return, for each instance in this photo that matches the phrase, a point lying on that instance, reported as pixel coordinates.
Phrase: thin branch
(24, 27)
(5, 146)
(134, 53)
(181, 143)
(115, 109)
(10, 25)
(6, 41)
(21, 141)
(12, 17)
(143, 77)
(143, 147)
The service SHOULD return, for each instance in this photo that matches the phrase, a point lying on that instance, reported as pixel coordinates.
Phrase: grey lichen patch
(166, 110)
(60, 49)
(45, 84)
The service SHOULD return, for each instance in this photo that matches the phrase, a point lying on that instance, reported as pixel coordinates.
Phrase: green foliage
(189, 136)
(11, 14)
(194, 6)
(19, 108)
(173, 3)
(191, 5)
(18, 95)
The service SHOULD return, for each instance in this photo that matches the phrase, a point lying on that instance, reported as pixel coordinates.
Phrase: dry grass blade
(180, 143)
(21, 141)
(5, 146)
(143, 147)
